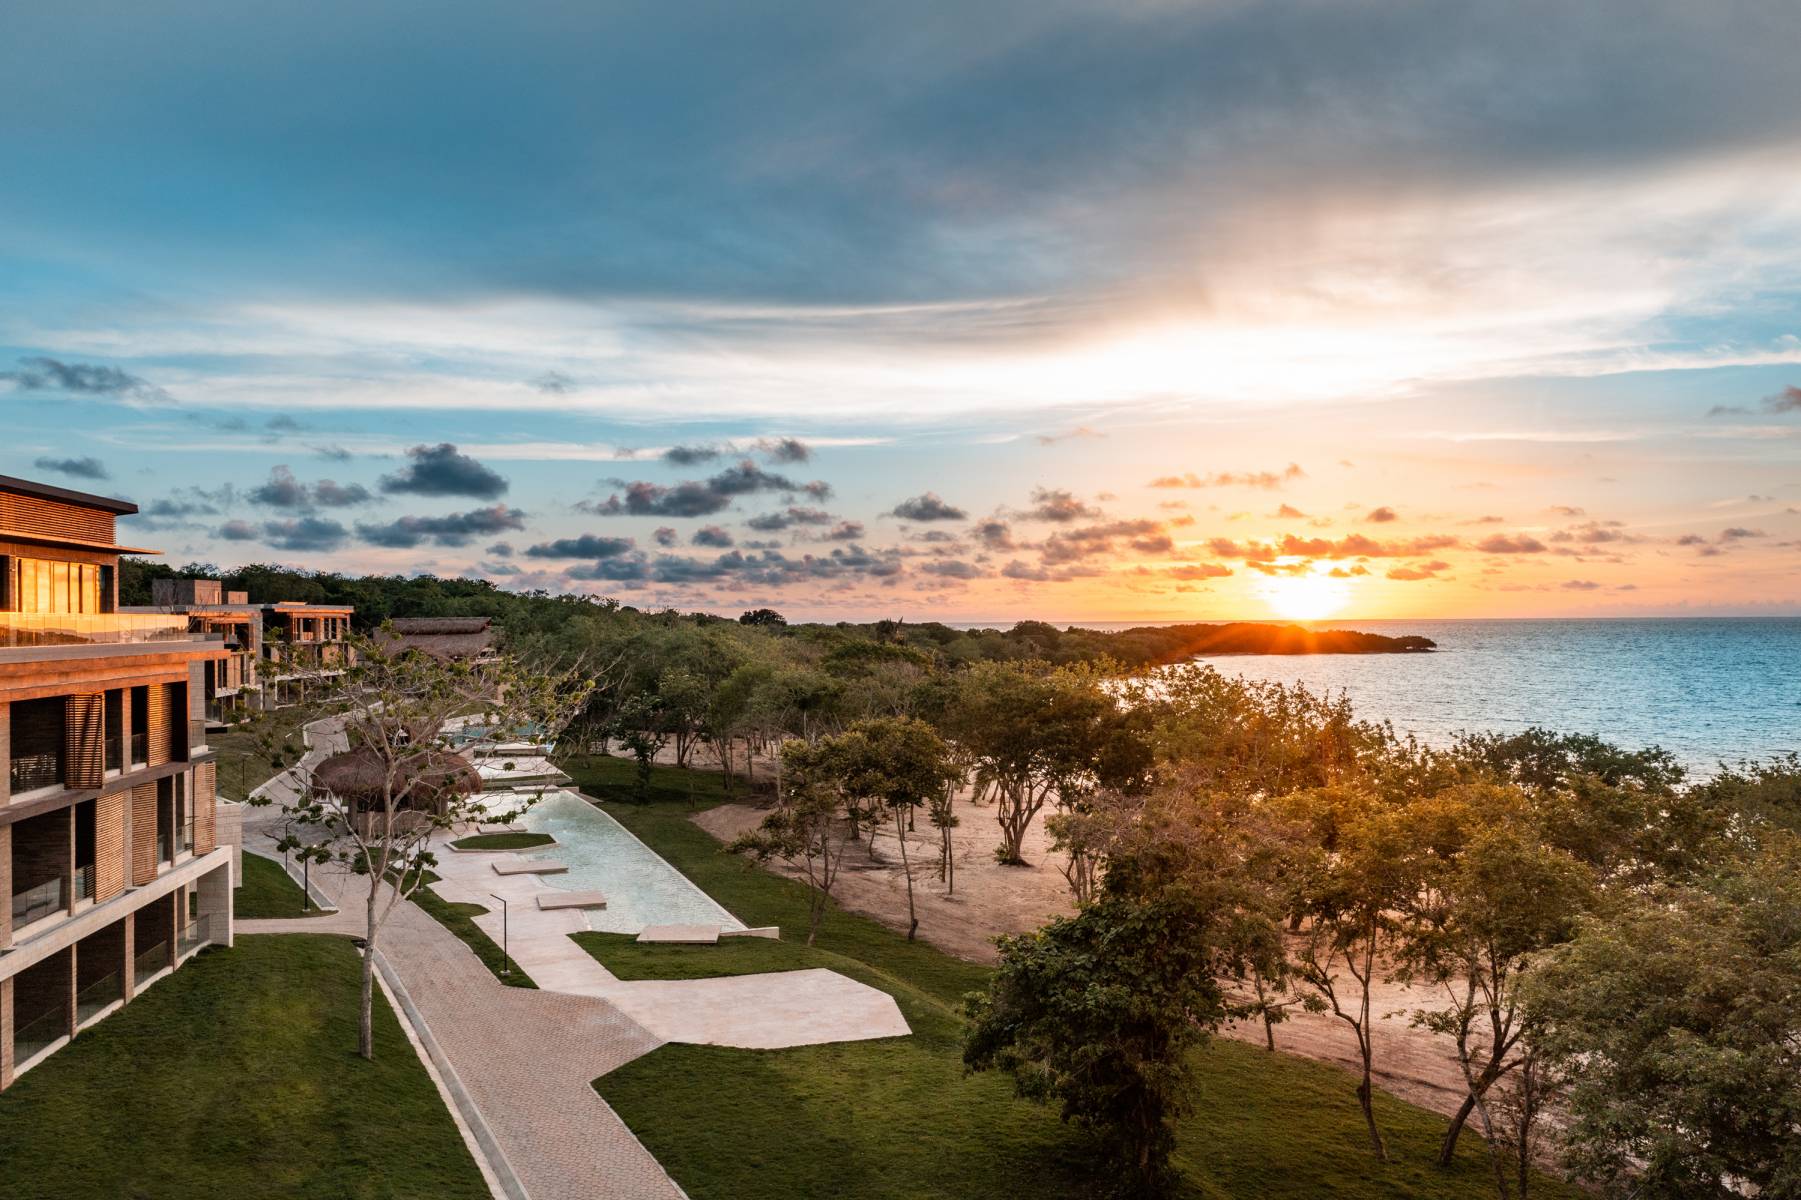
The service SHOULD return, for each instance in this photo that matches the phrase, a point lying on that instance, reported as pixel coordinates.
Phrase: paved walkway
(526, 1058)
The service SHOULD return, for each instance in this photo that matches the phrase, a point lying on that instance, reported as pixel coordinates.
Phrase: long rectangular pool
(603, 856)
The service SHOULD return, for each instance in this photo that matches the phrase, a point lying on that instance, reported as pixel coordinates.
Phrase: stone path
(525, 1058)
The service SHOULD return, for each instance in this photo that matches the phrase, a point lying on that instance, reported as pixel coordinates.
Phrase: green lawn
(236, 1076)
(267, 892)
(245, 763)
(627, 958)
(898, 1118)
(503, 841)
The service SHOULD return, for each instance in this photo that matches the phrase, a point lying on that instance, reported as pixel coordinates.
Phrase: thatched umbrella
(424, 779)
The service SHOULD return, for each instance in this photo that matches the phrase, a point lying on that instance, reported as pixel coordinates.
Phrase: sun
(1309, 597)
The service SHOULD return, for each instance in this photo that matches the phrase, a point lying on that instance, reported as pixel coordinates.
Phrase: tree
(1672, 1017)
(1350, 894)
(766, 618)
(376, 808)
(1038, 734)
(890, 766)
(809, 827)
(1100, 1012)
(681, 708)
(638, 726)
(1493, 897)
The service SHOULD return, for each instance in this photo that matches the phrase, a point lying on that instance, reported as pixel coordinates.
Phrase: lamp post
(505, 956)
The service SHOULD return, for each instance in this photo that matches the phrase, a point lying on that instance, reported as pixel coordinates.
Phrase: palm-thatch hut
(425, 781)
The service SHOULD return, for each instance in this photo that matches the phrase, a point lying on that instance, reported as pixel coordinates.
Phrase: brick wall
(143, 833)
(109, 845)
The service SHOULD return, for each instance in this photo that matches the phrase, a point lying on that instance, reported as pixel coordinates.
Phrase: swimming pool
(603, 856)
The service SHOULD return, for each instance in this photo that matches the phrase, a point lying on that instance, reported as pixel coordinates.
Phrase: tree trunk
(365, 1033)
(1366, 1088)
(907, 870)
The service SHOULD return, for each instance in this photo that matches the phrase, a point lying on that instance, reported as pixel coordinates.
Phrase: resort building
(231, 688)
(303, 646)
(110, 860)
(456, 639)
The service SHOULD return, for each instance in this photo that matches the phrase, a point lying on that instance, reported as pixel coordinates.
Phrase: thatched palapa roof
(435, 776)
(440, 637)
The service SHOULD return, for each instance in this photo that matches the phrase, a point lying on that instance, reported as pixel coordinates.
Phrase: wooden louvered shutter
(109, 845)
(84, 740)
(143, 833)
(206, 827)
(159, 718)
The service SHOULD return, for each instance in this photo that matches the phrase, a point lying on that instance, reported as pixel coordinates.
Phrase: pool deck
(756, 1012)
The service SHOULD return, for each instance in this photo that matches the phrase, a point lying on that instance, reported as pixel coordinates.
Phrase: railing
(193, 935)
(140, 747)
(84, 882)
(184, 838)
(90, 1000)
(35, 903)
(162, 848)
(32, 771)
(38, 1034)
(150, 960)
(115, 752)
(64, 629)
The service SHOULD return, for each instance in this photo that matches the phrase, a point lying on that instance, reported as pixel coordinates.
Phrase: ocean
(1707, 690)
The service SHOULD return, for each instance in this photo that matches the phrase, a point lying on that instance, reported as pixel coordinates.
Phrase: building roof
(440, 637)
(49, 491)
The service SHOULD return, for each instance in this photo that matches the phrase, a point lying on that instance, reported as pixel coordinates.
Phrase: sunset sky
(1151, 310)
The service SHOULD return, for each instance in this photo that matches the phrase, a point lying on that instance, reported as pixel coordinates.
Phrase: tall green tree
(890, 767)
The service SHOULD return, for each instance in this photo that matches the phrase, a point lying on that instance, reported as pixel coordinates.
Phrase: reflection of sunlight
(1304, 597)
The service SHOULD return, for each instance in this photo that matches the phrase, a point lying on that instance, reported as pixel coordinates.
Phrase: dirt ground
(989, 900)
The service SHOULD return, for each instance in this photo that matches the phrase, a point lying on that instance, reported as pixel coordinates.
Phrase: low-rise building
(304, 646)
(110, 860)
(231, 689)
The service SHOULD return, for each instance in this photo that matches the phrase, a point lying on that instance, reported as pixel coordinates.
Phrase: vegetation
(922, 1125)
(269, 1102)
(503, 841)
(628, 958)
(251, 754)
(267, 892)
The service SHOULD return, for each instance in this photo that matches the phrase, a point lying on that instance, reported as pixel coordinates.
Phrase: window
(38, 585)
(37, 744)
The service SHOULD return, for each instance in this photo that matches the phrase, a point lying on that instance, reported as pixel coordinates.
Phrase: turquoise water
(1705, 689)
(641, 889)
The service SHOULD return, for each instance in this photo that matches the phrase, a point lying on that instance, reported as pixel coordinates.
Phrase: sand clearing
(990, 900)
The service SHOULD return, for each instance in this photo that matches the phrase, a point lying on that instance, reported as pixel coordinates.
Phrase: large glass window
(37, 744)
(43, 586)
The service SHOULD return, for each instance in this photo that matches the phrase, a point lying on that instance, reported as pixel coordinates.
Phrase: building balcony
(90, 629)
(34, 904)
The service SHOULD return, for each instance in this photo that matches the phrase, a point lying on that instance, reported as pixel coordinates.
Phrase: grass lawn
(503, 841)
(898, 1118)
(627, 958)
(237, 1076)
(267, 892)
(244, 764)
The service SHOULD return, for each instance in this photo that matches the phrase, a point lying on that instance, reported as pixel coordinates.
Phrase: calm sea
(1705, 689)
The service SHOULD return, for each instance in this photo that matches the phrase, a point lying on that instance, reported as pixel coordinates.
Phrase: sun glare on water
(1305, 597)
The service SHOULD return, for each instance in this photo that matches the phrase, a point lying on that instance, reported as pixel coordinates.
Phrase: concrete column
(69, 1016)
(6, 1033)
(69, 862)
(215, 903)
(174, 908)
(128, 980)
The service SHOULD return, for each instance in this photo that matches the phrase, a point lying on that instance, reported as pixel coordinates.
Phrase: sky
(1144, 310)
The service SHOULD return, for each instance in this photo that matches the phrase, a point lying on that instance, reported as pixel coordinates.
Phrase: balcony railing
(162, 848)
(81, 629)
(184, 838)
(115, 751)
(150, 960)
(84, 882)
(37, 1035)
(91, 1000)
(193, 935)
(140, 747)
(32, 771)
(35, 903)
